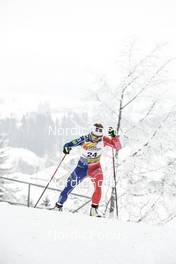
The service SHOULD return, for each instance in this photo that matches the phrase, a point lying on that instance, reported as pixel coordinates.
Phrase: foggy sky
(53, 48)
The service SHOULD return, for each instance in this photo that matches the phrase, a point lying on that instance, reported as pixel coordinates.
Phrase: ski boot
(94, 211)
(59, 206)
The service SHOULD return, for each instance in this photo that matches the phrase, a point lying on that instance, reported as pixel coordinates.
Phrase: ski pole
(50, 180)
(115, 181)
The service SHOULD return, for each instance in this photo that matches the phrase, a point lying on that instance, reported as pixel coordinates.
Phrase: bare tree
(144, 78)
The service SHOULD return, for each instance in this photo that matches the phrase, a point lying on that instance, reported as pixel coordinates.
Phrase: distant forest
(40, 132)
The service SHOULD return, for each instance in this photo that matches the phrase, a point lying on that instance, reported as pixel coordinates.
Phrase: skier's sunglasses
(99, 129)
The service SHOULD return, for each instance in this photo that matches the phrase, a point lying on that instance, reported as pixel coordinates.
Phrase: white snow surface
(39, 236)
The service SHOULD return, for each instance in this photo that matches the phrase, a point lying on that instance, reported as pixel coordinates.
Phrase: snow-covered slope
(41, 237)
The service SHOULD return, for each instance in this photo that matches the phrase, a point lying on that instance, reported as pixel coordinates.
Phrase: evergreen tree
(3, 170)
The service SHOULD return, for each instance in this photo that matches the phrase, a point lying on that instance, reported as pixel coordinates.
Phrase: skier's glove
(111, 132)
(66, 150)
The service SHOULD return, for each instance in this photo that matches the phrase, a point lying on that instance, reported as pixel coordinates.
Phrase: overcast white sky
(50, 48)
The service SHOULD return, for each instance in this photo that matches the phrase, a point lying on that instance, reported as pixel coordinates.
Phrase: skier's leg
(79, 173)
(96, 175)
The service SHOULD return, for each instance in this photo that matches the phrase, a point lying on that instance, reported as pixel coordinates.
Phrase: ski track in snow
(34, 236)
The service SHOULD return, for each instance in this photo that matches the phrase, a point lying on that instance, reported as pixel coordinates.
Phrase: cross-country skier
(89, 163)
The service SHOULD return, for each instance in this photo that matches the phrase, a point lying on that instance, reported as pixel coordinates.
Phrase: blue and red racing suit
(89, 164)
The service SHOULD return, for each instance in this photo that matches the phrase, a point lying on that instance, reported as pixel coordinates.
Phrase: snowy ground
(40, 237)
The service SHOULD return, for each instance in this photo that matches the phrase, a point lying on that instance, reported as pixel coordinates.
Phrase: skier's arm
(74, 143)
(112, 141)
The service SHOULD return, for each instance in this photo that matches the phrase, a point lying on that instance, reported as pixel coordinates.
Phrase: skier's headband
(98, 125)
